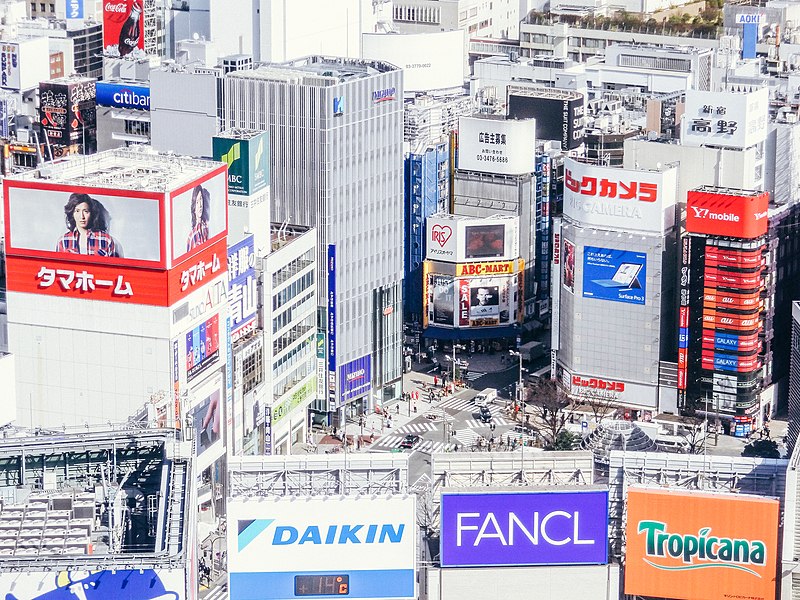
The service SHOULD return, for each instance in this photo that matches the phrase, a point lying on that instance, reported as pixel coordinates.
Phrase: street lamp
(521, 400)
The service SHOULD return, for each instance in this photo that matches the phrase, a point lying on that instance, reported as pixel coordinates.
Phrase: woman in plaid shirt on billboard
(200, 206)
(87, 228)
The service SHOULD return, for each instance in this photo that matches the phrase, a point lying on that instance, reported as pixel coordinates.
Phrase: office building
(336, 141)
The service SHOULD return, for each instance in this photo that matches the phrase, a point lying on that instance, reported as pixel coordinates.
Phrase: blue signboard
(355, 378)
(332, 403)
(121, 95)
(74, 9)
(242, 288)
(683, 337)
(615, 275)
(529, 528)
(726, 341)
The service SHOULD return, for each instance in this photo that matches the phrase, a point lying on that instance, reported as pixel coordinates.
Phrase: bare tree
(551, 409)
(691, 429)
(600, 406)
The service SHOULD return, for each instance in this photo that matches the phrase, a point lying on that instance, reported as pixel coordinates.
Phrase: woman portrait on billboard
(87, 228)
(201, 209)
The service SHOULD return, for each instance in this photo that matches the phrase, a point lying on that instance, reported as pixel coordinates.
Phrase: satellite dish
(195, 36)
(652, 136)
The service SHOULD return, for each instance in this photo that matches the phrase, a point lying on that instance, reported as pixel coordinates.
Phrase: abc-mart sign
(615, 198)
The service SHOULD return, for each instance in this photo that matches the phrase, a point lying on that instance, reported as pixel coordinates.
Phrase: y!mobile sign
(530, 528)
(729, 215)
(619, 198)
(359, 547)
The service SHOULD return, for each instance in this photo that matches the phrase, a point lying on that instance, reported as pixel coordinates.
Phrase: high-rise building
(336, 141)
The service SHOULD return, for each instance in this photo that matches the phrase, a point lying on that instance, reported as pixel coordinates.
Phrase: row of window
(295, 266)
(417, 14)
(292, 290)
(283, 319)
(43, 7)
(295, 355)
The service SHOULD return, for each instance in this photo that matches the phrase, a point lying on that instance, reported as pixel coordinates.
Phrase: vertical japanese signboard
(242, 288)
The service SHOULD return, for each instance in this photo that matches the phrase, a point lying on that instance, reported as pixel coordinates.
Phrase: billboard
(527, 528)
(616, 275)
(123, 27)
(559, 114)
(9, 65)
(120, 584)
(199, 215)
(464, 240)
(430, 61)
(603, 389)
(331, 272)
(67, 222)
(728, 119)
(355, 546)
(726, 214)
(472, 302)
(68, 113)
(205, 416)
(355, 378)
(695, 546)
(123, 95)
(495, 145)
(75, 9)
(619, 198)
(247, 160)
(242, 287)
(202, 347)
(569, 266)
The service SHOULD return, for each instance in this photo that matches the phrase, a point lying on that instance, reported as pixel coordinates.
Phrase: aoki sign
(533, 528)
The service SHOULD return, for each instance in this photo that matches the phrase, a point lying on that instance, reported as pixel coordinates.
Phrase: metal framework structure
(729, 474)
(322, 475)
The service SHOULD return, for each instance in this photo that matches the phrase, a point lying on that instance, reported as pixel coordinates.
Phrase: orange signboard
(697, 546)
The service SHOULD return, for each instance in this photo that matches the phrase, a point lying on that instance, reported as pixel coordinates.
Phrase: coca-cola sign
(123, 27)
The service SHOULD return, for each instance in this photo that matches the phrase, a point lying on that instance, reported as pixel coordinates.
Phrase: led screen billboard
(473, 301)
(83, 224)
(527, 528)
(283, 547)
(616, 275)
(696, 546)
(199, 215)
(484, 241)
(726, 214)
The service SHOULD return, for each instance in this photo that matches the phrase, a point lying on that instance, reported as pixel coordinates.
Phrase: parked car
(410, 441)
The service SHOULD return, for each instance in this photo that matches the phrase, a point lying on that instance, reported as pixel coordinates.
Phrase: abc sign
(235, 178)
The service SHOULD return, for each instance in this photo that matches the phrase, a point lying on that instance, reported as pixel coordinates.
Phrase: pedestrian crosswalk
(473, 375)
(218, 593)
(390, 442)
(416, 427)
(499, 421)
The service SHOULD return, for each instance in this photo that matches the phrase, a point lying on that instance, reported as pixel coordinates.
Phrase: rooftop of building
(536, 91)
(140, 169)
(239, 134)
(93, 496)
(320, 71)
(282, 234)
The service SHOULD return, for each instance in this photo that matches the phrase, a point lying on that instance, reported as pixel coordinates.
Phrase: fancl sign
(516, 529)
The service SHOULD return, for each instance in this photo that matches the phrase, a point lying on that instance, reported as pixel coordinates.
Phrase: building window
(52, 8)
(33, 7)
(252, 370)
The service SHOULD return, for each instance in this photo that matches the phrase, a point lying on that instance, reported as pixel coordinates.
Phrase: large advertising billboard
(247, 160)
(619, 198)
(496, 145)
(68, 113)
(462, 239)
(123, 95)
(472, 301)
(84, 224)
(430, 61)
(202, 347)
(559, 114)
(120, 584)
(331, 326)
(355, 378)
(727, 214)
(729, 119)
(616, 275)
(696, 546)
(242, 287)
(199, 215)
(354, 546)
(9, 65)
(524, 528)
(123, 28)
(205, 415)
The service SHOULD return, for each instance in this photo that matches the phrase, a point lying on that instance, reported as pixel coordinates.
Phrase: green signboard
(247, 160)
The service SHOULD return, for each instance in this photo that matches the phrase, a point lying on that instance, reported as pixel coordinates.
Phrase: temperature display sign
(321, 585)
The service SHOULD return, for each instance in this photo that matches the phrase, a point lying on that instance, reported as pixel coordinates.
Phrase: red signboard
(718, 278)
(745, 259)
(722, 320)
(727, 214)
(123, 27)
(684, 316)
(115, 283)
(713, 298)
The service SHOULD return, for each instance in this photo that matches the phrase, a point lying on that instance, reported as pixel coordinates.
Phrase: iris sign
(514, 529)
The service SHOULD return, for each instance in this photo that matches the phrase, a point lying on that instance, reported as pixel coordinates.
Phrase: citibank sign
(116, 95)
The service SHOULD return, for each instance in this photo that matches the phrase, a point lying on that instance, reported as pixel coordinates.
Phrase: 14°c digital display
(321, 585)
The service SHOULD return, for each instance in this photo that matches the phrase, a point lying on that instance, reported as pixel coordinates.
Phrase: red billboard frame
(11, 250)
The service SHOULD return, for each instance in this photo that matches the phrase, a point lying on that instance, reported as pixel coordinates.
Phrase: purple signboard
(529, 528)
(355, 378)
